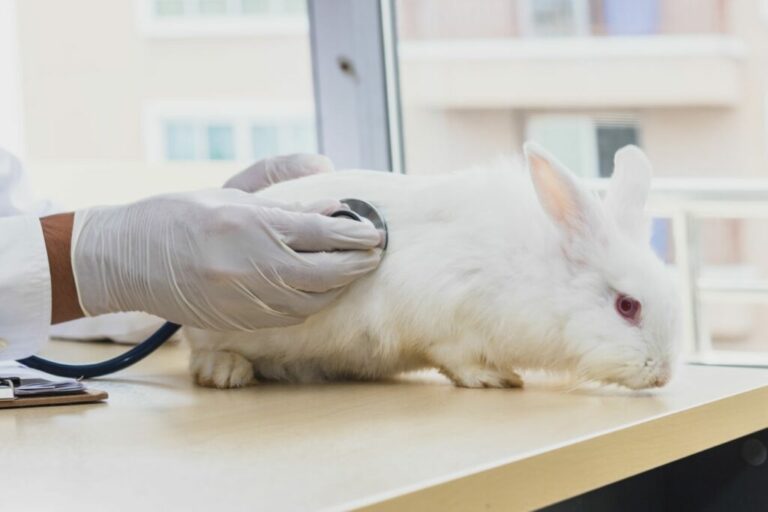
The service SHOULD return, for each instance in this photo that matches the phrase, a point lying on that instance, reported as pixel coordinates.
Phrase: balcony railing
(483, 19)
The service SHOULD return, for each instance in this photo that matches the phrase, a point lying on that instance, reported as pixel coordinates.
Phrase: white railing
(685, 202)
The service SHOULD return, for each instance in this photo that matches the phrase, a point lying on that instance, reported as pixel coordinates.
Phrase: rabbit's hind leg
(220, 369)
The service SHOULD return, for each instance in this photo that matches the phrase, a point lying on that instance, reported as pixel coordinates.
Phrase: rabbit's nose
(661, 372)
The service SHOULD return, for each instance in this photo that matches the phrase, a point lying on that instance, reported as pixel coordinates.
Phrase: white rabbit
(487, 273)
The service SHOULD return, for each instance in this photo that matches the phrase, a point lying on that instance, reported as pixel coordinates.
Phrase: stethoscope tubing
(91, 370)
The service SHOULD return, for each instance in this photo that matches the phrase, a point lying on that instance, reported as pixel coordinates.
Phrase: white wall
(11, 132)
(441, 140)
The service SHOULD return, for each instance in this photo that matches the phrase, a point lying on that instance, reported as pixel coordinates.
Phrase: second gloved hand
(218, 259)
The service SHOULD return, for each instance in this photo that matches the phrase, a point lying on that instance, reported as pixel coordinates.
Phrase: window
(585, 144)
(169, 7)
(227, 131)
(285, 7)
(212, 7)
(221, 143)
(553, 18)
(546, 18)
(283, 137)
(200, 140)
(180, 141)
(631, 17)
(220, 18)
(234, 8)
(264, 140)
(610, 138)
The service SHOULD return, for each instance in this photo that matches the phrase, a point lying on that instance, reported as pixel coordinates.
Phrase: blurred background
(111, 101)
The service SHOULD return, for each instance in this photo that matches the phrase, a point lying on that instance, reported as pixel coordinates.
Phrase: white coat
(25, 285)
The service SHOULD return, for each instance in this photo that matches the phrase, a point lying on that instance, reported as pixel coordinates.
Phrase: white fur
(487, 273)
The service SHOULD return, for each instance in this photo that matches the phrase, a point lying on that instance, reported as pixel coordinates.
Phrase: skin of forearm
(57, 231)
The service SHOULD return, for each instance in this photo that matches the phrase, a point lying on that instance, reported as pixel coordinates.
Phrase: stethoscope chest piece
(360, 210)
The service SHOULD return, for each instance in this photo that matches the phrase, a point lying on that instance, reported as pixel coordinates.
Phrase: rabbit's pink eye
(628, 307)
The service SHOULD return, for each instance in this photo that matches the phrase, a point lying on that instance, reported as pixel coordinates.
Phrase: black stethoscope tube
(88, 371)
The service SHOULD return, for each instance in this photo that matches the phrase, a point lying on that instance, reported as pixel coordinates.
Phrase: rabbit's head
(619, 304)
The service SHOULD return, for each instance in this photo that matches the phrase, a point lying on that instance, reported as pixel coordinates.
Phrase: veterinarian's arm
(220, 259)
(57, 229)
(216, 259)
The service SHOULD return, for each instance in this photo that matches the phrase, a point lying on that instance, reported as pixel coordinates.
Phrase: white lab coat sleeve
(25, 287)
(16, 197)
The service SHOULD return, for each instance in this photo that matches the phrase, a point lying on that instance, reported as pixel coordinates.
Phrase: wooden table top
(415, 443)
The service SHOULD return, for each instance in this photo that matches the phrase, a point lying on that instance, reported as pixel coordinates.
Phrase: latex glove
(281, 168)
(219, 259)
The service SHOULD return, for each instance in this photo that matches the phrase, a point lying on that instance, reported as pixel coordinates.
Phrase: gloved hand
(219, 259)
(280, 168)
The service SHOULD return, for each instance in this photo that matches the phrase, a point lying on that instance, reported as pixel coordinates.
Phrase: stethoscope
(358, 210)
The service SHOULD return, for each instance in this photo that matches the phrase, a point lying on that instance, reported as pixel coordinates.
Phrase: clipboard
(85, 397)
(21, 386)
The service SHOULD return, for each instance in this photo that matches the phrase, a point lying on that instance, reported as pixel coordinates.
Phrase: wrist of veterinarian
(57, 232)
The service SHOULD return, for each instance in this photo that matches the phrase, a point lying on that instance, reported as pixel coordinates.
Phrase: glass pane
(212, 7)
(300, 137)
(180, 141)
(169, 7)
(256, 6)
(264, 140)
(631, 17)
(611, 138)
(150, 96)
(571, 138)
(292, 6)
(221, 142)
(553, 17)
(661, 239)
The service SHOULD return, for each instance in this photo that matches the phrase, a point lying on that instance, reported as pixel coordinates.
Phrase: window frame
(355, 69)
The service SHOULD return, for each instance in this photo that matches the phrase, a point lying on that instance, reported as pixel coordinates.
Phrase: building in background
(137, 96)
(130, 97)
(585, 77)
(685, 79)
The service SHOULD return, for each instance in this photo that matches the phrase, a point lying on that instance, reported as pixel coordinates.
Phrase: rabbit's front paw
(480, 377)
(220, 369)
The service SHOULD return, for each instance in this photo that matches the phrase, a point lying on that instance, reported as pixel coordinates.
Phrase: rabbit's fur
(487, 273)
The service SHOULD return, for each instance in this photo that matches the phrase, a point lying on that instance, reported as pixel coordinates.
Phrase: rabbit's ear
(628, 191)
(570, 206)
